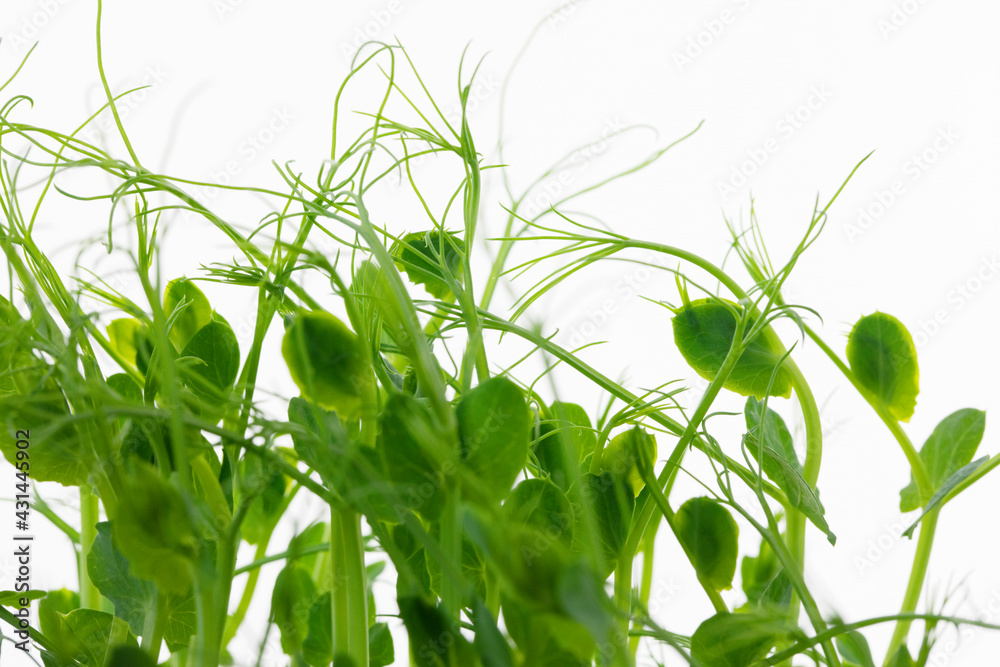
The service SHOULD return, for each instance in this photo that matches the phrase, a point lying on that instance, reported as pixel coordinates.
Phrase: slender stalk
(356, 587)
(914, 587)
(90, 597)
(623, 592)
(340, 594)
(646, 583)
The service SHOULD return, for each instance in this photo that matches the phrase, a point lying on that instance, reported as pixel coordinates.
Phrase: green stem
(796, 522)
(623, 592)
(90, 597)
(914, 587)
(355, 587)
(646, 584)
(233, 624)
(451, 544)
(341, 603)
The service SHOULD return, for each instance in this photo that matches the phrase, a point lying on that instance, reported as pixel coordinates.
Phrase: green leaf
(50, 609)
(901, 659)
(291, 606)
(773, 433)
(612, 501)
(549, 639)
(126, 387)
(854, 649)
(779, 592)
(14, 598)
(562, 442)
(130, 656)
(409, 445)
(489, 642)
(428, 258)
(757, 572)
(704, 331)
(216, 347)
(434, 642)
(327, 363)
(196, 312)
(324, 452)
(493, 423)
(317, 648)
(380, 649)
(951, 446)
(542, 505)
(154, 531)
(582, 598)
(884, 361)
(956, 478)
(264, 482)
(58, 452)
(88, 635)
(109, 571)
(128, 336)
(619, 456)
(710, 535)
(800, 495)
(735, 640)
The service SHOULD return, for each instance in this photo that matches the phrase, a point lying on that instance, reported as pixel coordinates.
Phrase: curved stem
(90, 597)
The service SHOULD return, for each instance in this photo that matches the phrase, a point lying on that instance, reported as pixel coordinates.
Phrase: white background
(792, 97)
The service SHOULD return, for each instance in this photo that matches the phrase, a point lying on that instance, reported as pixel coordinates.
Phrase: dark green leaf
(562, 442)
(735, 640)
(800, 495)
(218, 354)
(854, 649)
(542, 505)
(779, 592)
(327, 362)
(957, 478)
(428, 258)
(130, 656)
(126, 387)
(884, 361)
(196, 311)
(773, 433)
(410, 446)
(704, 331)
(582, 598)
(489, 642)
(612, 501)
(493, 423)
(109, 571)
(317, 648)
(380, 649)
(710, 535)
(757, 572)
(901, 659)
(434, 642)
(951, 446)
(264, 482)
(546, 638)
(291, 606)
(87, 635)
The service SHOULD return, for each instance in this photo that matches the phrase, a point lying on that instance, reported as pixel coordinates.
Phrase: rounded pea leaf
(291, 603)
(562, 442)
(129, 337)
(951, 446)
(407, 444)
(154, 531)
(709, 534)
(735, 640)
(704, 331)
(195, 311)
(87, 636)
(619, 456)
(542, 505)
(493, 423)
(327, 362)
(884, 360)
(612, 502)
(218, 351)
(429, 258)
(854, 649)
